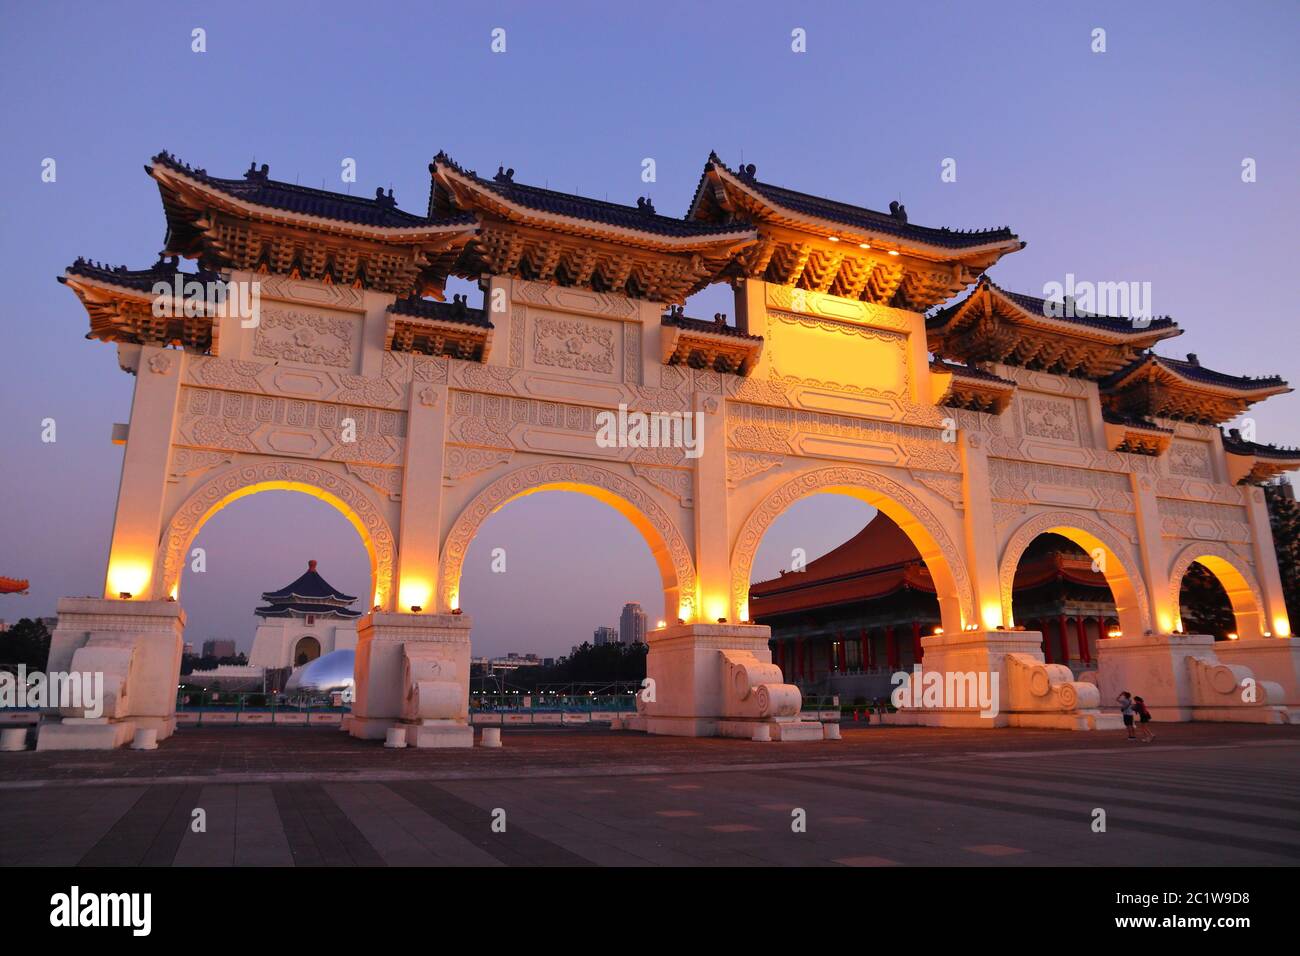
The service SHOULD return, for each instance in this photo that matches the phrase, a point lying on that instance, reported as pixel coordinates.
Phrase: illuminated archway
(667, 544)
(951, 580)
(241, 481)
(1243, 590)
(1110, 553)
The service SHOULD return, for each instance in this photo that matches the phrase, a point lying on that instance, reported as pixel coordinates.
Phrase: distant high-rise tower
(631, 626)
(605, 635)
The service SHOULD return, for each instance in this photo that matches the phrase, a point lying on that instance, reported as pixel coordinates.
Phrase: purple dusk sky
(1116, 166)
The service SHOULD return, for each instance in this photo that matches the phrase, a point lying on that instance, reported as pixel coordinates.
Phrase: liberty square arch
(417, 418)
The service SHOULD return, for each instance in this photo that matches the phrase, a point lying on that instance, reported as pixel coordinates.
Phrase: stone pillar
(1006, 671)
(417, 582)
(136, 646)
(718, 680)
(1182, 678)
(712, 599)
(137, 521)
(412, 671)
(981, 535)
(1276, 622)
(1154, 570)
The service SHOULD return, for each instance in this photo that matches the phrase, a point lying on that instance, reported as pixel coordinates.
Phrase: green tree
(1284, 517)
(27, 642)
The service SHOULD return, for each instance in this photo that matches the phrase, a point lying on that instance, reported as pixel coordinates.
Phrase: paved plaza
(1201, 794)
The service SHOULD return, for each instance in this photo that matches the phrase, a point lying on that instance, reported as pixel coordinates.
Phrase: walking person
(1144, 718)
(1126, 711)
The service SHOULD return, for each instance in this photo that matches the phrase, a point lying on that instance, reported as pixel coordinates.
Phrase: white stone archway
(242, 480)
(1114, 558)
(938, 550)
(1238, 581)
(667, 543)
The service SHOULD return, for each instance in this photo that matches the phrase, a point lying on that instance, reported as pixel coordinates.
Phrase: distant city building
(631, 626)
(605, 635)
(513, 661)
(188, 649)
(216, 648)
(302, 621)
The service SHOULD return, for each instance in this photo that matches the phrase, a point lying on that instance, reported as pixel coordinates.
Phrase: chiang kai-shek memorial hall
(975, 427)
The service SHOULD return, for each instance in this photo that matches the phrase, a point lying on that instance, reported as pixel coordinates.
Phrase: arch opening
(1103, 550)
(844, 618)
(905, 510)
(1211, 593)
(667, 545)
(203, 505)
(1060, 591)
(305, 651)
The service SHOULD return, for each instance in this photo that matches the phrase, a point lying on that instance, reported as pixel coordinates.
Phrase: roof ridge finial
(311, 565)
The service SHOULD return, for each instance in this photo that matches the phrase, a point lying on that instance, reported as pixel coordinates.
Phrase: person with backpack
(1144, 718)
(1126, 711)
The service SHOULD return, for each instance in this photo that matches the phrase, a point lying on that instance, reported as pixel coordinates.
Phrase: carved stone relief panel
(1036, 483)
(234, 421)
(1051, 418)
(1203, 520)
(784, 431)
(1189, 459)
(312, 338)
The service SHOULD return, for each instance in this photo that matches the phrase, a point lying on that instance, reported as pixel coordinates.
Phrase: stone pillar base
(135, 648)
(988, 679)
(718, 680)
(1274, 659)
(412, 671)
(1182, 678)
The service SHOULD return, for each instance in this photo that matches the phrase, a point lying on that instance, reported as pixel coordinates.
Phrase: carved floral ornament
(160, 363)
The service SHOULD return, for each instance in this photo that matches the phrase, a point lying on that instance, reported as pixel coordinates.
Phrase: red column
(1047, 643)
(891, 648)
(917, 651)
(1081, 632)
(798, 657)
(864, 639)
(844, 655)
(1065, 641)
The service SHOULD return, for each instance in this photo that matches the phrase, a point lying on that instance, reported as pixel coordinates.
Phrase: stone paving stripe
(676, 813)
(1097, 791)
(516, 846)
(260, 839)
(1071, 816)
(319, 833)
(215, 846)
(994, 849)
(150, 833)
(1062, 774)
(865, 861)
(733, 828)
